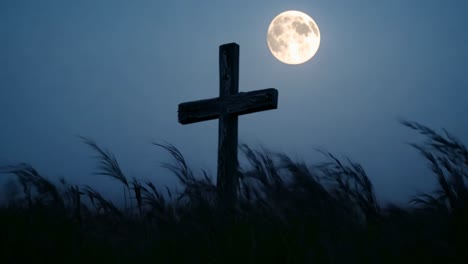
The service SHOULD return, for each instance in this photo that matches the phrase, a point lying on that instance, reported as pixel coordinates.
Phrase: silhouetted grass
(286, 212)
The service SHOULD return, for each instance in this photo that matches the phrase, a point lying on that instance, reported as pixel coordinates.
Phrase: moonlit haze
(114, 71)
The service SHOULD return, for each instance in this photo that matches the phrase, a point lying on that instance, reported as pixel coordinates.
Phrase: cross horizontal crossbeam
(238, 104)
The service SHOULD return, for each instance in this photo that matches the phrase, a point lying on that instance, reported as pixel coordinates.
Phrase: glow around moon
(293, 37)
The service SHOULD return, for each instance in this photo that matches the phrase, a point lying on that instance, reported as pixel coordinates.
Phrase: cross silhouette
(227, 107)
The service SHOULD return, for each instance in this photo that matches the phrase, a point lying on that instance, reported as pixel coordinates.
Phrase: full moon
(293, 37)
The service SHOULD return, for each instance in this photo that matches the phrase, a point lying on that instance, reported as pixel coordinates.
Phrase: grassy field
(286, 212)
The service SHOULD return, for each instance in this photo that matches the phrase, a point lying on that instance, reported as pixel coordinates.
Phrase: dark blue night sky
(115, 71)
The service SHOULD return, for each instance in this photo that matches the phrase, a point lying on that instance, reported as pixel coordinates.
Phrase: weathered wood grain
(227, 142)
(239, 104)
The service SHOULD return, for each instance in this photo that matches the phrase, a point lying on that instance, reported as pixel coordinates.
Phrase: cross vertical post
(228, 135)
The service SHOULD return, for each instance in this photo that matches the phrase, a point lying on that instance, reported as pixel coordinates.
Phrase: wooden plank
(227, 142)
(251, 102)
(239, 104)
(197, 111)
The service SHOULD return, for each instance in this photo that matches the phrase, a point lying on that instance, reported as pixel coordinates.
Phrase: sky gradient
(115, 71)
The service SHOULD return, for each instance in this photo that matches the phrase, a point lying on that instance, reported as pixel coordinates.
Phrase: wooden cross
(227, 107)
